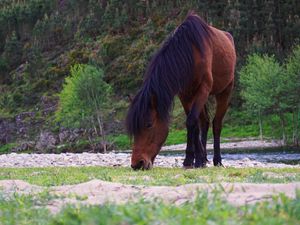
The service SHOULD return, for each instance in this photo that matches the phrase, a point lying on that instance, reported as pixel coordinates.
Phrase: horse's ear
(129, 97)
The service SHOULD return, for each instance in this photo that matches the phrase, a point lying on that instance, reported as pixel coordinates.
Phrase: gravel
(123, 159)
(114, 159)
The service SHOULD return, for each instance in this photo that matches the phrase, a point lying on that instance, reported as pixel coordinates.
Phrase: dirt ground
(100, 192)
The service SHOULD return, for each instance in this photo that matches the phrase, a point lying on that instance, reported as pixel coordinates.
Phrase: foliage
(84, 97)
(293, 73)
(293, 90)
(239, 125)
(7, 147)
(268, 88)
(260, 79)
(40, 39)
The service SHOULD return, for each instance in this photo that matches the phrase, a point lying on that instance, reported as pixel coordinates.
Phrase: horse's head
(148, 142)
(149, 133)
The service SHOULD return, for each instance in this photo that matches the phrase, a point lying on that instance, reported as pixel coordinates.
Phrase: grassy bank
(157, 176)
(238, 125)
(203, 210)
(178, 136)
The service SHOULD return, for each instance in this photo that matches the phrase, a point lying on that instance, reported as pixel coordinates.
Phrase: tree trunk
(282, 128)
(260, 126)
(103, 137)
(294, 128)
(296, 117)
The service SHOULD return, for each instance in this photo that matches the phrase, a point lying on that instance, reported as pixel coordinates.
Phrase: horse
(194, 62)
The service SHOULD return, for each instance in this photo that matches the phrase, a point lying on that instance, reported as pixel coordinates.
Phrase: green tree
(263, 80)
(293, 89)
(13, 51)
(84, 99)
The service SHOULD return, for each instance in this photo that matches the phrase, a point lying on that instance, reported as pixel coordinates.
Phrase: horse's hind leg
(222, 100)
(194, 148)
(204, 124)
(193, 130)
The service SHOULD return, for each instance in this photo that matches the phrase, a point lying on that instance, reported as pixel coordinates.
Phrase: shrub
(84, 99)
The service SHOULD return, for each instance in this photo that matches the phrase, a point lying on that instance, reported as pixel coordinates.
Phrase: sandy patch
(97, 192)
(18, 186)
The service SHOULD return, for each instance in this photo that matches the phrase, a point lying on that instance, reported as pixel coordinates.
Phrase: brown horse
(196, 61)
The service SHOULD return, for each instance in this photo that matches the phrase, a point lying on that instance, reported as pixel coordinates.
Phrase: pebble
(123, 160)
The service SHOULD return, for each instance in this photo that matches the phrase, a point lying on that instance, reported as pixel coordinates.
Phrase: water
(290, 156)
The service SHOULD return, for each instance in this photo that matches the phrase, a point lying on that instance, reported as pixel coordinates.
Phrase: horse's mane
(168, 72)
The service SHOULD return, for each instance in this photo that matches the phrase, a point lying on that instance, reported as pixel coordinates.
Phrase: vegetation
(7, 147)
(84, 99)
(157, 176)
(42, 42)
(203, 210)
(236, 126)
(269, 88)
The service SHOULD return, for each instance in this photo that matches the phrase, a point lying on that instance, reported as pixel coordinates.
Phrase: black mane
(168, 72)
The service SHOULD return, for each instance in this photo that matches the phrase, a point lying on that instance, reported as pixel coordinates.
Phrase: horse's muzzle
(142, 164)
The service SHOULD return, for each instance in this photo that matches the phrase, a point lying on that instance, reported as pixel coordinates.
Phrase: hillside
(41, 40)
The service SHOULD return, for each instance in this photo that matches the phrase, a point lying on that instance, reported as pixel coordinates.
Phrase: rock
(69, 135)
(7, 130)
(46, 141)
(24, 146)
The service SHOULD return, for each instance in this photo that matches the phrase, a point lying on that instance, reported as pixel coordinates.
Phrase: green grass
(175, 136)
(157, 176)
(7, 148)
(179, 136)
(239, 125)
(204, 209)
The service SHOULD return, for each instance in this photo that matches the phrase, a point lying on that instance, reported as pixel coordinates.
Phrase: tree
(263, 88)
(13, 50)
(293, 89)
(84, 99)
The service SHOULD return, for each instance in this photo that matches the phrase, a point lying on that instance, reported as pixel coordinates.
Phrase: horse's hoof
(222, 165)
(188, 163)
(200, 165)
(219, 164)
(188, 167)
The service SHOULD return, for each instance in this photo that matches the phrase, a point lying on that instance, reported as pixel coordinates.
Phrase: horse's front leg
(190, 147)
(200, 152)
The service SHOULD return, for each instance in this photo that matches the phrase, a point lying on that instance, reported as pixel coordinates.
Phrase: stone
(46, 141)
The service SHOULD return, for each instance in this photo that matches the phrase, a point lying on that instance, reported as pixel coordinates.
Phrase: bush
(84, 98)
(269, 88)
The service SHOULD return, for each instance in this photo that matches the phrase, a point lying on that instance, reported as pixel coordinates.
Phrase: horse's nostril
(138, 166)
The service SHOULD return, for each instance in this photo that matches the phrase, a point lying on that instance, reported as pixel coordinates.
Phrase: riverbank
(123, 160)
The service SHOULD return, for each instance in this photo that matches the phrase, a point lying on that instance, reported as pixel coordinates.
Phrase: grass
(157, 176)
(204, 209)
(237, 124)
(175, 136)
(7, 148)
